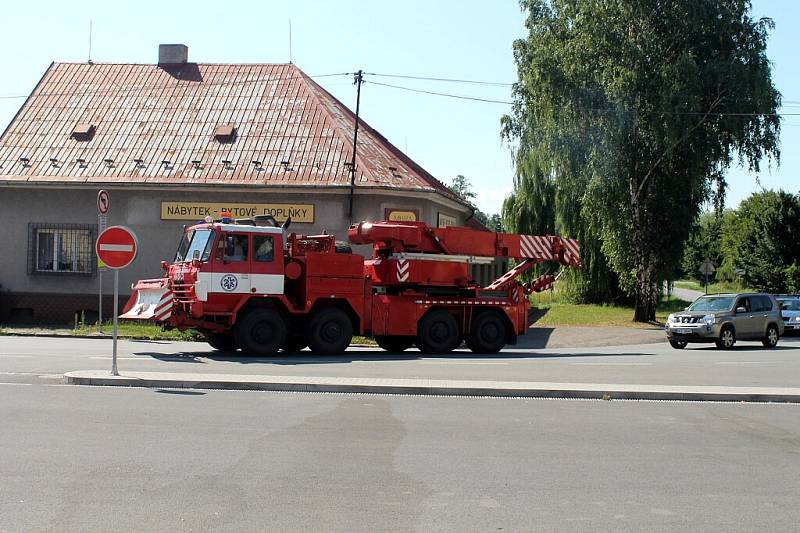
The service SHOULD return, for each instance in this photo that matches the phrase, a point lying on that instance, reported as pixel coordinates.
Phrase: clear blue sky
(443, 38)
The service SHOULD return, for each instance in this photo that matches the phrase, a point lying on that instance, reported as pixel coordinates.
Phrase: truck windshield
(196, 241)
(712, 303)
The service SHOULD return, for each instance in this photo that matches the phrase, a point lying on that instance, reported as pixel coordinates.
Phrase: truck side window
(264, 246)
(232, 247)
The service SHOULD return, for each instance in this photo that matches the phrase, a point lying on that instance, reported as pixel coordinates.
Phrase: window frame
(59, 230)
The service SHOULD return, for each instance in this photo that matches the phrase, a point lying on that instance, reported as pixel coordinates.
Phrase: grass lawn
(140, 330)
(565, 314)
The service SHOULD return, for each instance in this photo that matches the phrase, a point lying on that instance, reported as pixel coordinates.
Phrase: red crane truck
(248, 284)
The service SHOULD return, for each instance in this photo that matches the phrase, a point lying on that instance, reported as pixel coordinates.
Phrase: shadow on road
(307, 358)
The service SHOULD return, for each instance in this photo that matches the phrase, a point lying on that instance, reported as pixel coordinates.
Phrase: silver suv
(726, 318)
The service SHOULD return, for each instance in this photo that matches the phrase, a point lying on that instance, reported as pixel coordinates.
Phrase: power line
(593, 110)
(448, 95)
(448, 80)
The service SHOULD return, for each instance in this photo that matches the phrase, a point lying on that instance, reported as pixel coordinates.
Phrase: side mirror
(741, 310)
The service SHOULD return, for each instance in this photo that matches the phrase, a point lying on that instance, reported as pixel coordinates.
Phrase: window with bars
(61, 249)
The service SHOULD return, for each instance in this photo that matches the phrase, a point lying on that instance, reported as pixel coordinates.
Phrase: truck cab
(215, 261)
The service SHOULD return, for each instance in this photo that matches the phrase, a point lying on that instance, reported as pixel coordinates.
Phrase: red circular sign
(103, 202)
(117, 247)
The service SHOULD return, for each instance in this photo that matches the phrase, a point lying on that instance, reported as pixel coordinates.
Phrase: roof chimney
(172, 54)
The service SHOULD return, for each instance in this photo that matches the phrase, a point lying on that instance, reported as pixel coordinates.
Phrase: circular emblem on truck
(229, 282)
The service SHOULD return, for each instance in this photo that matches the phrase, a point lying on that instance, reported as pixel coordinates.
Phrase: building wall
(140, 210)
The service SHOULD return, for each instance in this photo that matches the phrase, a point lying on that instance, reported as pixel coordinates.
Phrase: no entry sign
(117, 247)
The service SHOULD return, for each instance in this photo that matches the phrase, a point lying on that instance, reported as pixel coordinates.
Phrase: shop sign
(402, 215)
(446, 220)
(302, 213)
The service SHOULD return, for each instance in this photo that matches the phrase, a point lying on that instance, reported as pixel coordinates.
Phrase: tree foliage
(762, 237)
(626, 115)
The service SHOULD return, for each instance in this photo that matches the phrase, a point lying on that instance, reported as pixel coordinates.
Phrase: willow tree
(632, 111)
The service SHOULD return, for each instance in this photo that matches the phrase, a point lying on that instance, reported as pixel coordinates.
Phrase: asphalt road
(116, 459)
(36, 360)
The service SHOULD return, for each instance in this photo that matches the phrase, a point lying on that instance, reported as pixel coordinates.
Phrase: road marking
(17, 384)
(747, 362)
(16, 356)
(463, 363)
(612, 364)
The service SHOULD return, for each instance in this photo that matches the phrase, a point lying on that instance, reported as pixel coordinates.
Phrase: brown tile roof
(156, 125)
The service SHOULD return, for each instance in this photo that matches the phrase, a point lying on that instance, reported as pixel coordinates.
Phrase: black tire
(295, 343)
(394, 343)
(260, 332)
(727, 338)
(772, 337)
(678, 345)
(438, 333)
(329, 332)
(489, 333)
(223, 342)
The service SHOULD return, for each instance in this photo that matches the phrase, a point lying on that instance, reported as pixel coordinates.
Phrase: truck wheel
(488, 334)
(224, 342)
(727, 338)
(771, 340)
(329, 331)
(438, 333)
(295, 343)
(261, 332)
(394, 343)
(678, 345)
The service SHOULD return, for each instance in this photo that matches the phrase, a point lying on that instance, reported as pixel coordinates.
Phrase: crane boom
(390, 238)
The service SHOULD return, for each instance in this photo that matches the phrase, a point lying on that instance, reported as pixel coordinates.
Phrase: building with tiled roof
(172, 142)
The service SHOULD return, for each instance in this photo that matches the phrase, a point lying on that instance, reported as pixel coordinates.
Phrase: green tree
(703, 242)
(637, 108)
(763, 239)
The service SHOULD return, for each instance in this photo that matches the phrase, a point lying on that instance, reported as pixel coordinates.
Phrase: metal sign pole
(114, 371)
(100, 301)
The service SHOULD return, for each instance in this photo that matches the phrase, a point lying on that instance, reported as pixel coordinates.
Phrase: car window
(744, 302)
(790, 304)
(712, 303)
(762, 303)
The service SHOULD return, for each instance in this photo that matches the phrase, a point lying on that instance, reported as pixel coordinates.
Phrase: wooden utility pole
(357, 81)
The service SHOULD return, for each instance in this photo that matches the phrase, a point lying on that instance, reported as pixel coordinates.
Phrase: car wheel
(771, 340)
(329, 331)
(727, 338)
(223, 342)
(261, 332)
(438, 333)
(678, 345)
(488, 334)
(394, 343)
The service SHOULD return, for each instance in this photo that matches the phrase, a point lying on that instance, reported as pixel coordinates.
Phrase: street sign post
(103, 205)
(707, 268)
(116, 247)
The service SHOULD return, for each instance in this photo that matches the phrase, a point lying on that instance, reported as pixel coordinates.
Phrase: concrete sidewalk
(431, 387)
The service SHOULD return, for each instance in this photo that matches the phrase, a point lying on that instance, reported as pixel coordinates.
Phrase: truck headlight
(797, 318)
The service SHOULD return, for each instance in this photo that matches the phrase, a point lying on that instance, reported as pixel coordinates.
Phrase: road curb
(425, 387)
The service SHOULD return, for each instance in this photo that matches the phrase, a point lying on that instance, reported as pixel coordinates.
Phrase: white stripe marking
(116, 247)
